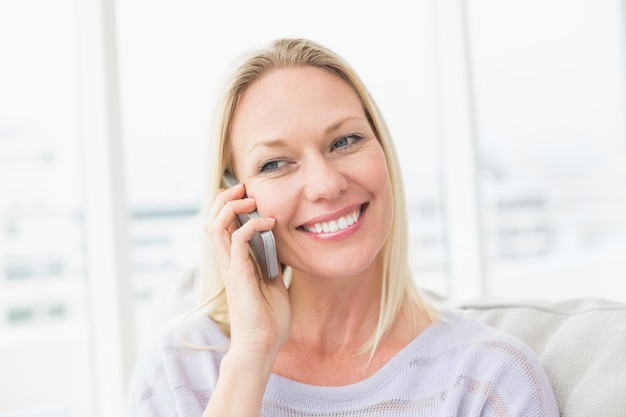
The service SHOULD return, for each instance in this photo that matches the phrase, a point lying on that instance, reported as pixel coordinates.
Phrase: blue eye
(341, 143)
(346, 141)
(271, 166)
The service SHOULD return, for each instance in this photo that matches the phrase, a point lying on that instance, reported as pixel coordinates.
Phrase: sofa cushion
(581, 343)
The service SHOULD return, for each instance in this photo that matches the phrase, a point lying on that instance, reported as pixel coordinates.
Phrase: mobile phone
(262, 244)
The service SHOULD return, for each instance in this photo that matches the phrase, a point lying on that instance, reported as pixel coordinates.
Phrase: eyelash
(263, 168)
(352, 138)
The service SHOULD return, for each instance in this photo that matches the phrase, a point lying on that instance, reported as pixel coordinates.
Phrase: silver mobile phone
(262, 243)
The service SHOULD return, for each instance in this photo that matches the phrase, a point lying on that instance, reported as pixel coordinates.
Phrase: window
(549, 103)
(44, 338)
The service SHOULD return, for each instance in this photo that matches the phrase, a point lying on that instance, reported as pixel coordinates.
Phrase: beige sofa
(581, 342)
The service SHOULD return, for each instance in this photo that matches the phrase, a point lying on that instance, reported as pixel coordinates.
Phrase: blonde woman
(343, 330)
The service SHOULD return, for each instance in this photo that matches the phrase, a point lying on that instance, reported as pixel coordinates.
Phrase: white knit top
(456, 367)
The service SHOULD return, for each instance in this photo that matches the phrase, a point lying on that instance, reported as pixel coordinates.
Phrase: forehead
(283, 83)
(293, 98)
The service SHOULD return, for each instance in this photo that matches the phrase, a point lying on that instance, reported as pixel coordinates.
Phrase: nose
(323, 180)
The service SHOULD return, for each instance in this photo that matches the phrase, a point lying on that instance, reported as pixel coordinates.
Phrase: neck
(332, 320)
(335, 315)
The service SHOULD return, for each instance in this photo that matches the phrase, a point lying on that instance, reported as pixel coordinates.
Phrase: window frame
(105, 207)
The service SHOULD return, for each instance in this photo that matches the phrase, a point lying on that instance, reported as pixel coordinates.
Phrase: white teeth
(335, 225)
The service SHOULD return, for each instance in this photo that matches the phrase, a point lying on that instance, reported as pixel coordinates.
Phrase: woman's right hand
(260, 313)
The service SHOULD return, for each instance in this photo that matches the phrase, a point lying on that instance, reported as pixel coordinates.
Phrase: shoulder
(481, 350)
(180, 360)
(457, 333)
(182, 336)
(482, 360)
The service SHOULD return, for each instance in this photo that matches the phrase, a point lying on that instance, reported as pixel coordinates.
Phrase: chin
(335, 267)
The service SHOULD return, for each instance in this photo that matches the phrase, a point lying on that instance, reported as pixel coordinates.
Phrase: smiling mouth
(336, 225)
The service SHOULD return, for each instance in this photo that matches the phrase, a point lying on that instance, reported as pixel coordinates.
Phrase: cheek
(377, 174)
(272, 201)
(381, 189)
(386, 196)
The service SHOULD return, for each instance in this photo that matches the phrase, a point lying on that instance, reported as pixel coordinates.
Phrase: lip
(340, 234)
(333, 216)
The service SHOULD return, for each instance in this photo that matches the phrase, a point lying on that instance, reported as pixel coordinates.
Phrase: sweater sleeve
(173, 379)
(520, 387)
(149, 393)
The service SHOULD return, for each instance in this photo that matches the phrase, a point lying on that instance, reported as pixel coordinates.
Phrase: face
(302, 145)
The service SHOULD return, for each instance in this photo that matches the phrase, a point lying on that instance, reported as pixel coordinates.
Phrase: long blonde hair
(399, 292)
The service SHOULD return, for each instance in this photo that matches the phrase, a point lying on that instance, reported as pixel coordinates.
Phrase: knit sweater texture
(456, 367)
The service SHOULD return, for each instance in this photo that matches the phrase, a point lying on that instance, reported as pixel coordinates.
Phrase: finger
(224, 210)
(234, 193)
(228, 214)
(240, 255)
(220, 227)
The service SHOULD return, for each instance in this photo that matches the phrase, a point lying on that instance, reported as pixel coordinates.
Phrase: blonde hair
(399, 291)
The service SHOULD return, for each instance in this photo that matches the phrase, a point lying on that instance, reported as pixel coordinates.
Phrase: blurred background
(509, 116)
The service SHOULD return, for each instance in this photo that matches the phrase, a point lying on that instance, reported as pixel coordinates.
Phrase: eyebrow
(271, 143)
(341, 122)
(277, 143)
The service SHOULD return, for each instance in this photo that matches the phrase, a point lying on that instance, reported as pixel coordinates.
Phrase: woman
(350, 335)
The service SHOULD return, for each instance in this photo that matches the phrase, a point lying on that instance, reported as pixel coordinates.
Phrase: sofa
(581, 342)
